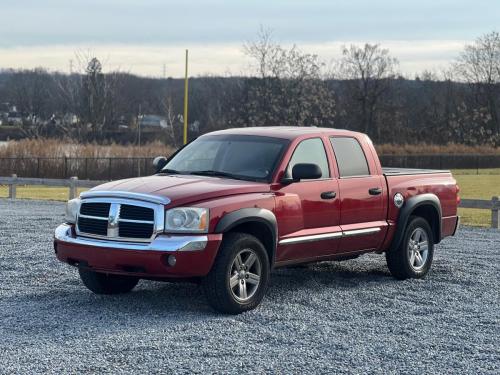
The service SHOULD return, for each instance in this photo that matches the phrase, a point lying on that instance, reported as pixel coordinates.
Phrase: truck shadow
(183, 302)
(331, 274)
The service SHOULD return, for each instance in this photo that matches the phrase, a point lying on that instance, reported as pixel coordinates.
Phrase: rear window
(350, 157)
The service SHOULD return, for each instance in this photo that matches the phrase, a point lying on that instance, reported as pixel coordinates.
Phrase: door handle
(375, 191)
(328, 195)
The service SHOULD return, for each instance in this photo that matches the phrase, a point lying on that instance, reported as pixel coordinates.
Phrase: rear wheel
(102, 283)
(239, 277)
(413, 258)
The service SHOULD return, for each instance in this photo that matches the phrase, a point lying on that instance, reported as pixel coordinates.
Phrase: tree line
(363, 90)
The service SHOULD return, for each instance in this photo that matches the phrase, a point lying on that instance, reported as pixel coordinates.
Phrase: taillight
(458, 196)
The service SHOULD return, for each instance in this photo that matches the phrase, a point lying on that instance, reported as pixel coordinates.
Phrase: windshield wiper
(170, 171)
(218, 174)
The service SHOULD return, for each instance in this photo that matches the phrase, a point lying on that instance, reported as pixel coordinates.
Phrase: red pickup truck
(230, 206)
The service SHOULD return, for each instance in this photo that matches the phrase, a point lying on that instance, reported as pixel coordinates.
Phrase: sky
(146, 37)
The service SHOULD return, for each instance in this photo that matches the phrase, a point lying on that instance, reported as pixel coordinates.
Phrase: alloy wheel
(245, 274)
(418, 249)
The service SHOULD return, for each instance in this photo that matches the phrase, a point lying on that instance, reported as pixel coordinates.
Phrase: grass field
(482, 186)
(475, 186)
(39, 192)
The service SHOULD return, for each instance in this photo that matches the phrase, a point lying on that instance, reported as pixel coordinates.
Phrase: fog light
(171, 260)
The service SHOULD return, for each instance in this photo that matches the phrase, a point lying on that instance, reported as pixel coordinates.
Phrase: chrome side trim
(311, 238)
(327, 236)
(126, 195)
(360, 232)
(162, 242)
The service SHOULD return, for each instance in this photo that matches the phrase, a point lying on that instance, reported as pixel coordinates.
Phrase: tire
(232, 286)
(102, 283)
(403, 262)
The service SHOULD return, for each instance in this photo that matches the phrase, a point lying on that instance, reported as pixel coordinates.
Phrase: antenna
(70, 66)
(186, 100)
(164, 70)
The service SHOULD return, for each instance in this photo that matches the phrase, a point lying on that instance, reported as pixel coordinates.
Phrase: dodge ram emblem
(114, 214)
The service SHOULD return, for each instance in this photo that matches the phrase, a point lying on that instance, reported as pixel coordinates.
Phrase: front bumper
(194, 255)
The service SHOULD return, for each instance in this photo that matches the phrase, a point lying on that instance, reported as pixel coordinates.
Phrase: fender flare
(406, 211)
(247, 215)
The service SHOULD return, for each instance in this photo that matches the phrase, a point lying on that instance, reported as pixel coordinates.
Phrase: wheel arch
(426, 206)
(258, 222)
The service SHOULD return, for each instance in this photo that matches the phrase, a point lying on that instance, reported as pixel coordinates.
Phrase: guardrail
(73, 183)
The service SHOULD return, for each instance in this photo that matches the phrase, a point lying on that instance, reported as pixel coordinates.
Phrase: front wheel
(413, 258)
(239, 277)
(102, 283)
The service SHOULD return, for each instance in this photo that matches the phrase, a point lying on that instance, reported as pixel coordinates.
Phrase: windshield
(232, 156)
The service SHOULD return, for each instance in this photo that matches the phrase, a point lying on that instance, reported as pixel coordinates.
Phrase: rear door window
(351, 159)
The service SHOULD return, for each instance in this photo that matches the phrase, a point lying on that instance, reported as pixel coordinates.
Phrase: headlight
(72, 208)
(186, 219)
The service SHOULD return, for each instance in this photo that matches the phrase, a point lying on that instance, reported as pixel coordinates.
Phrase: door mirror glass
(306, 171)
(159, 162)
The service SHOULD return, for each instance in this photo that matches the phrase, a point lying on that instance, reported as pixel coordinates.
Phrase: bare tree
(32, 93)
(173, 120)
(288, 89)
(479, 65)
(369, 69)
(99, 94)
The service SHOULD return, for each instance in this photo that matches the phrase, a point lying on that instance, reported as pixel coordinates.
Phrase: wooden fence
(114, 168)
(493, 205)
(74, 183)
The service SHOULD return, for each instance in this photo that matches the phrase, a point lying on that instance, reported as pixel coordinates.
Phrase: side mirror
(306, 171)
(159, 162)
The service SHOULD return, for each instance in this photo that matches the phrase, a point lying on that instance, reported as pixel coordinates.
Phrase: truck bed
(410, 171)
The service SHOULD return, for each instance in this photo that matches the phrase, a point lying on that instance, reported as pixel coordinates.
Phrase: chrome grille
(99, 227)
(95, 209)
(119, 219)
(135, 230)
(136, 213)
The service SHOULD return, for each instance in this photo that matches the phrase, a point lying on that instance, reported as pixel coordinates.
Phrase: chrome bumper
(162, 242)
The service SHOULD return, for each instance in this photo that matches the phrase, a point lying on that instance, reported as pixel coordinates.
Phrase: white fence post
(495, 213)
(13, 186)
(73, 187)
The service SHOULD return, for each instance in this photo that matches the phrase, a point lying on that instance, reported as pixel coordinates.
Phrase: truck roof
(286, 132)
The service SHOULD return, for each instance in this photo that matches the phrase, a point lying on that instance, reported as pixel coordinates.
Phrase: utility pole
(186, 100)
(70, 66)
(139, 117)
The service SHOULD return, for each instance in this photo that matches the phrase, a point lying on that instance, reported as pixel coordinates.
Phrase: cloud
(55, 22)
(141, 35)
(215, 58)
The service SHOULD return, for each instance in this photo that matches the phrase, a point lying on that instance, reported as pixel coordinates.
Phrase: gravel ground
(331, 317)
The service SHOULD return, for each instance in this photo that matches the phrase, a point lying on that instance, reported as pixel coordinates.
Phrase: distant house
(14, 118)
(153, 121)
(4, 109)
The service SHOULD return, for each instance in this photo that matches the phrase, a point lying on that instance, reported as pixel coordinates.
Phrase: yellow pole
(186, 101)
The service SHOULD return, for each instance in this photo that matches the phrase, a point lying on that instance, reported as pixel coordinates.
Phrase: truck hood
(182, 189)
